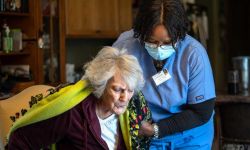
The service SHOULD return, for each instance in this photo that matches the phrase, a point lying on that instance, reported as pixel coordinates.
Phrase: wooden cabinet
(52, 32)
(35, 24)
(232, 121)
(97, 18)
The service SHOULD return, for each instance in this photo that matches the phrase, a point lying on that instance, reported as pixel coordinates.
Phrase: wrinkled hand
(146, 129)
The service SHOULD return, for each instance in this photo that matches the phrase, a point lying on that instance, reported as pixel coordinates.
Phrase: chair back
(11, 106)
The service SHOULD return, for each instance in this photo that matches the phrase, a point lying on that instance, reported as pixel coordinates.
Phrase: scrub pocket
(199, 138)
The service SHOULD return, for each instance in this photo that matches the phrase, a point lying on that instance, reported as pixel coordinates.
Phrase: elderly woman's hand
(146, 129)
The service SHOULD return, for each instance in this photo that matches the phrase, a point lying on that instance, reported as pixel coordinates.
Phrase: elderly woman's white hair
(108, 62)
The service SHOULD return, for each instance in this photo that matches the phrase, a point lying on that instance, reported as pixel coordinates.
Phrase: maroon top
(76, 129)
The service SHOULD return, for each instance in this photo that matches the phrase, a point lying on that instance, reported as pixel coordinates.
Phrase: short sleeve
(201, 81)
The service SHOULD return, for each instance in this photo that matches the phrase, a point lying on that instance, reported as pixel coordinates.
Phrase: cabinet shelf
(48, 16)
(14, 53)
(13, 14)
(29, 39)
(34, 25)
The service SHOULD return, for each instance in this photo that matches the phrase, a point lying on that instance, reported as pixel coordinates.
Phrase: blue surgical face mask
(160, 52)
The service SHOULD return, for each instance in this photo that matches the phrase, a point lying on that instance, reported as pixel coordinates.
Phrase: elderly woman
(84, 115)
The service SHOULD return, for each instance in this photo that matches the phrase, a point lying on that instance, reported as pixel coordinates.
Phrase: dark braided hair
(169, 13)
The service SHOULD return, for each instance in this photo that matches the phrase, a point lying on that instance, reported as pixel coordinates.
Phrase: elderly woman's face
(116, 95)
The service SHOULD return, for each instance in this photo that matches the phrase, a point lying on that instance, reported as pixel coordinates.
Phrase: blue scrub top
(191, 79)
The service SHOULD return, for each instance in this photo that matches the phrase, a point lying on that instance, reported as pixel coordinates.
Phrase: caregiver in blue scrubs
(179, 85)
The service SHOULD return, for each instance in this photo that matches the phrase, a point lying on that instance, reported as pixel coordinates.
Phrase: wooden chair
(9, 107)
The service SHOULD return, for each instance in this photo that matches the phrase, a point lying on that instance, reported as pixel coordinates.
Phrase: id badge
(161, 77)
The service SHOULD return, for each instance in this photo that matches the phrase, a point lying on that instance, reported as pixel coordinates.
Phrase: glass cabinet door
(49, 42)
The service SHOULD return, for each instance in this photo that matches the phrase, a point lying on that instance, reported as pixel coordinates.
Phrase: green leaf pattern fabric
(138, 112)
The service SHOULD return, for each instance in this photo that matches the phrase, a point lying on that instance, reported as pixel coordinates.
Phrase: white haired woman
(89, 110)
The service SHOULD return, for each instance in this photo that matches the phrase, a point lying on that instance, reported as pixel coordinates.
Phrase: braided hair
(169, 13)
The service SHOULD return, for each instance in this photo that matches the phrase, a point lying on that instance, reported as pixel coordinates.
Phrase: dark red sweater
(76, 129)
